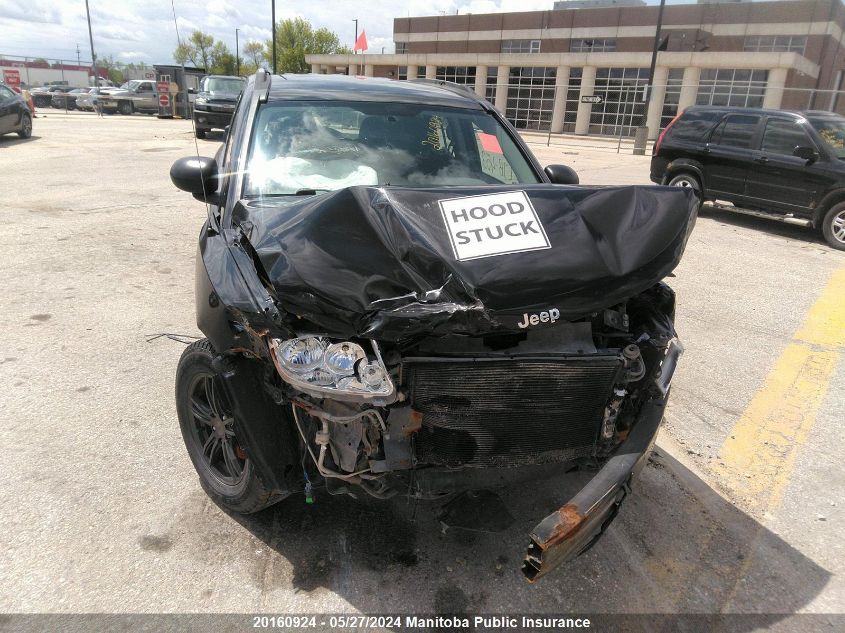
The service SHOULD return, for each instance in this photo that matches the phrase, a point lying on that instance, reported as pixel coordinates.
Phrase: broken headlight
(341, 370)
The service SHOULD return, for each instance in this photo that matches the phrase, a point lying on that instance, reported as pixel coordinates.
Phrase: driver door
(777, 178)
(727, 156)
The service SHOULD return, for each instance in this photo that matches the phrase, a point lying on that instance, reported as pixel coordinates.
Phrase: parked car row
(212, 107)
(42, 96)
(132, 96)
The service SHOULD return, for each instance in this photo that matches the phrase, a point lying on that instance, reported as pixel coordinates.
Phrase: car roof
(816, 114)
(224, 77)
(741, 110)
(316, 87)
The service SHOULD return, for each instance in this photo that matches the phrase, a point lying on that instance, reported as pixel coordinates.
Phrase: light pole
(237, 57)
(91, 41)
(354, 52)
(641, 133)
(274, 35)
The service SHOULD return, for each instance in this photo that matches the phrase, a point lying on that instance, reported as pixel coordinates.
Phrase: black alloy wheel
(213, 431)
(209, 430)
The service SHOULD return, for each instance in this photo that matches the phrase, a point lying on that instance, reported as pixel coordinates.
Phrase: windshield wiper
(299, 192)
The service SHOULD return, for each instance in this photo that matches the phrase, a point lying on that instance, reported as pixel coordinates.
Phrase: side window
(716, 137)
(692, 126)
(782, 136)
(5, 93)
(737, 131)
(145, 87)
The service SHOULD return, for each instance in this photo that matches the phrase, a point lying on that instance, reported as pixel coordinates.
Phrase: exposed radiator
(509, 412)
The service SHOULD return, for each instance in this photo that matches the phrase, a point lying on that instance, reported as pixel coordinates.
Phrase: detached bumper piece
(574, 528)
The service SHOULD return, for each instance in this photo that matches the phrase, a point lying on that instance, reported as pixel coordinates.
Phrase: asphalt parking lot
(742, 509)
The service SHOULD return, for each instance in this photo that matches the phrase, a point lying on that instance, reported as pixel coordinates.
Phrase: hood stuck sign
(493, 224)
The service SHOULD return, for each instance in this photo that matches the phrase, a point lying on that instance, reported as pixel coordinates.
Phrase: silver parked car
(91, 98)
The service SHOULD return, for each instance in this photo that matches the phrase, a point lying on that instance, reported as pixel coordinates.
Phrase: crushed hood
(393, 263)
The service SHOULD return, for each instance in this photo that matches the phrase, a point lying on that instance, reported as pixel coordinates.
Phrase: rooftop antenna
(212, 221)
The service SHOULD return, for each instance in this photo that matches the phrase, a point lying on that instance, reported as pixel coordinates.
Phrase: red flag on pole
(361, 42)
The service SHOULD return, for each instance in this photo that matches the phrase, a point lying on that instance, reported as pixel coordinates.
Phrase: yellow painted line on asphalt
(758, 457)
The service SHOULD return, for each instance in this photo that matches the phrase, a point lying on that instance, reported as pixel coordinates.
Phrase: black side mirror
(807, 153)
(561, 175)
(196, 175)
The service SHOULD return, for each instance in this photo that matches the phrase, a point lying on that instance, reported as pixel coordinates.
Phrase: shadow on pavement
(10, 140)
(677, 547)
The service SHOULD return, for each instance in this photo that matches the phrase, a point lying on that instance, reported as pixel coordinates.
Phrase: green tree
(295, 38)
(197, 50)
(113, 68)
(253, 56)
(203, 44)
(222, 61)
(184, 53)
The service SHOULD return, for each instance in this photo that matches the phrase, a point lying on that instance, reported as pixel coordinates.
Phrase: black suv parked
(787, 166)
(215, 102)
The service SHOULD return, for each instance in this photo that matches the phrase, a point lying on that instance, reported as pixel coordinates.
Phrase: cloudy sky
(143, 30)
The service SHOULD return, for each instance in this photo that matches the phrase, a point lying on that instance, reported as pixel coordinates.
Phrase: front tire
(125, 107)
(26, 126)
(200, 133)
(687, 180)
(225, 471)
(833, 226)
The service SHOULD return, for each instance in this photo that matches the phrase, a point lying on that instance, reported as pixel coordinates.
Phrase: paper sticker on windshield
(489, 143)
(493, 224)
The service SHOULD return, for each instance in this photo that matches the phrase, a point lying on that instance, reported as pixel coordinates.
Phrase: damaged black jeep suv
(398, 299)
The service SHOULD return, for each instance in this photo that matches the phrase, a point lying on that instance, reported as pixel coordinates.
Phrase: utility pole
(274, 34)
(237, 57)
(77, 54)
(91, 41)
(641, 133)
(354, 52)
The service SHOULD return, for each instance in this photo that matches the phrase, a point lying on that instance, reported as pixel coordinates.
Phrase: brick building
(535, 66)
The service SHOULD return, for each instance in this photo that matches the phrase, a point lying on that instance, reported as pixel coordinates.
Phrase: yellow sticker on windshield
(434, 138)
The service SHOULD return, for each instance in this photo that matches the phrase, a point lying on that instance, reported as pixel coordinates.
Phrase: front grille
(509, 412)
